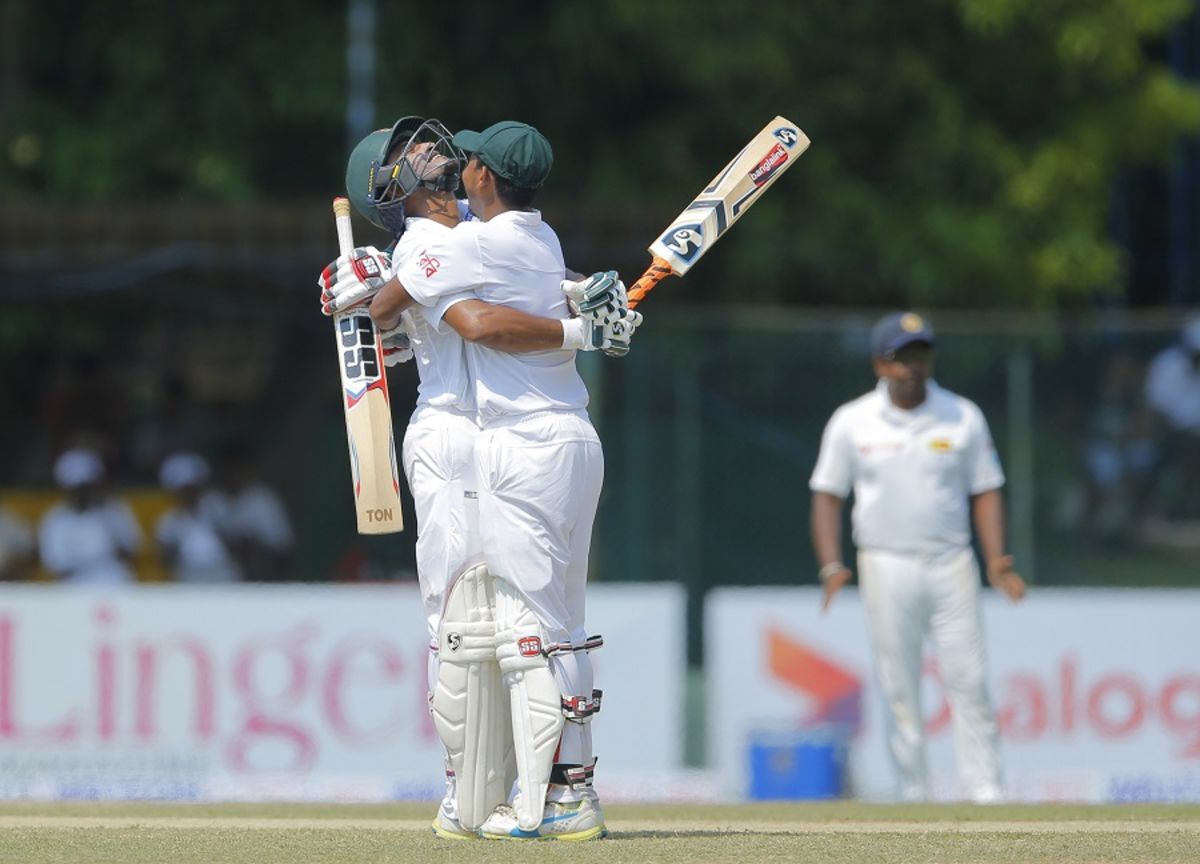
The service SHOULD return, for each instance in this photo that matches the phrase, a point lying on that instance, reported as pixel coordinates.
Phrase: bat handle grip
(341, 217)
(658, 270)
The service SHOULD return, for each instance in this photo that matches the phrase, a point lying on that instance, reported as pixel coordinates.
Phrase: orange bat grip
(658, 270)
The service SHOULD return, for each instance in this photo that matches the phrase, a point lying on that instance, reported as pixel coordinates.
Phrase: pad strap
(579, 708)
(573, 776)
(587, 644)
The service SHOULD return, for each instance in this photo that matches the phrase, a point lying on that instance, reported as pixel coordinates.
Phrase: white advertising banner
(1097, 692)
(286, 692)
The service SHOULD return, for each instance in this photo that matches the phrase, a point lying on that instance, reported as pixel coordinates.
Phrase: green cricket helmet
(360, 170)
(389, 165)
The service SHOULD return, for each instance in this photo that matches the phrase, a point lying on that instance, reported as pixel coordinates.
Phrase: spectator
(253, 518)
(1120, 451)
(1173, 392)
(189, 536)
(90, 538)
(17, 550)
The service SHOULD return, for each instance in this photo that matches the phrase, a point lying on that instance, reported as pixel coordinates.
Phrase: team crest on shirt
(428, 263)
(941, 445)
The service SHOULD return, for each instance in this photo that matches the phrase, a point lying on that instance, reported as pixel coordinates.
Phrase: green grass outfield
(150, 833)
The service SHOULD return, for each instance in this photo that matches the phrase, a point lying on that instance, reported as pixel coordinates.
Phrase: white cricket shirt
(513, 259)
(440, 354)
(912, 472)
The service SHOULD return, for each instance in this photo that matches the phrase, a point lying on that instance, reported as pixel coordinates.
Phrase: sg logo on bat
(685, 241)
(787, 135)
(359, 357)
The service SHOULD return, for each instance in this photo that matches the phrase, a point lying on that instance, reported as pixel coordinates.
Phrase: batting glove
(615, 337)
(353, 279)
(599, 298)
(397, 348)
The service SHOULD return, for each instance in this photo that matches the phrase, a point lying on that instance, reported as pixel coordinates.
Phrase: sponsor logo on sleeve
(428, 264)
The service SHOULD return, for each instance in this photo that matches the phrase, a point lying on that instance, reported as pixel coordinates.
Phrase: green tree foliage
(964, 151)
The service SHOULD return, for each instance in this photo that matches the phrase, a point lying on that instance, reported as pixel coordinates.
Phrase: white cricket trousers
(907, 598)
(539, 485)
(439, 461)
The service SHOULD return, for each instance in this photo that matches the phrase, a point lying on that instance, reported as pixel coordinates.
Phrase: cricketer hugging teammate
(501, 457)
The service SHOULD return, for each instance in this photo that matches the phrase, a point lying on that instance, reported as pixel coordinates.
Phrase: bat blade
(722, 202)
(368, 408)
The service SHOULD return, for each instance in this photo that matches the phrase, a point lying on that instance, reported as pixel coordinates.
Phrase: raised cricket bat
(722, 202)
(368, 408)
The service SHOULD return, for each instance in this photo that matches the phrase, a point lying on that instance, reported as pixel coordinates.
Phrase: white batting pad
(470, 706)
(534, 699)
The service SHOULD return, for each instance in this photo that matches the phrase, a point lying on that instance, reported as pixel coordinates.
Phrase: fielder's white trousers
(539, 486)
(907, 598)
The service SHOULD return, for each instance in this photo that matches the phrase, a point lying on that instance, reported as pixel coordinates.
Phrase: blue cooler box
(797, 764)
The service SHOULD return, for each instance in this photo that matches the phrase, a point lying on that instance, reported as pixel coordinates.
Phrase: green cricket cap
(515, 151)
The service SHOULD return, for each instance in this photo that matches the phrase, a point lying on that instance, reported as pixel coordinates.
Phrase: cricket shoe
(566, 820)
(447, 827)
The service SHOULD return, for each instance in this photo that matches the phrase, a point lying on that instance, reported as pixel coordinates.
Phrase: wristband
(827, 572)
(572, 334)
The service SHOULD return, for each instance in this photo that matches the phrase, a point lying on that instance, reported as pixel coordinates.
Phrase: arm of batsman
(600, 298)
(616, 337)
(353, 279)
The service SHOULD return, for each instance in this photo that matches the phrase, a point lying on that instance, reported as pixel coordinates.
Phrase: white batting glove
(617, 335)
(600, 298)
(613, 339)
(397, 348)
(353, 279)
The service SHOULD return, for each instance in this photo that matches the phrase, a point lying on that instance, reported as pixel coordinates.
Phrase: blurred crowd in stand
(129, 474)
(226, 528)
(1141, 447)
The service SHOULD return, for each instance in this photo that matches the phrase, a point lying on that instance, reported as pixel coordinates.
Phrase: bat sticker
(763, 170)
(686, 241)
(787, 135)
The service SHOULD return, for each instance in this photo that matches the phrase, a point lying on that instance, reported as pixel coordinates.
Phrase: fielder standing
(918, 459)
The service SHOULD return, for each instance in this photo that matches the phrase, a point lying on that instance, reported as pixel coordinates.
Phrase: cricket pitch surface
(828, 833)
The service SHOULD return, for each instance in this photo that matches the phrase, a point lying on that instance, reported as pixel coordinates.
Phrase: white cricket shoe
(567, 820)
(447, 827)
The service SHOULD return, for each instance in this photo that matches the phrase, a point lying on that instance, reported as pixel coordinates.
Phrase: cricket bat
(368, 408)
(721, 203)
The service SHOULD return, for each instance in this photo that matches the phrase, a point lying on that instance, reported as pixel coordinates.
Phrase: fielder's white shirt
(513, 259)
(440, 354)
(912, 472)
